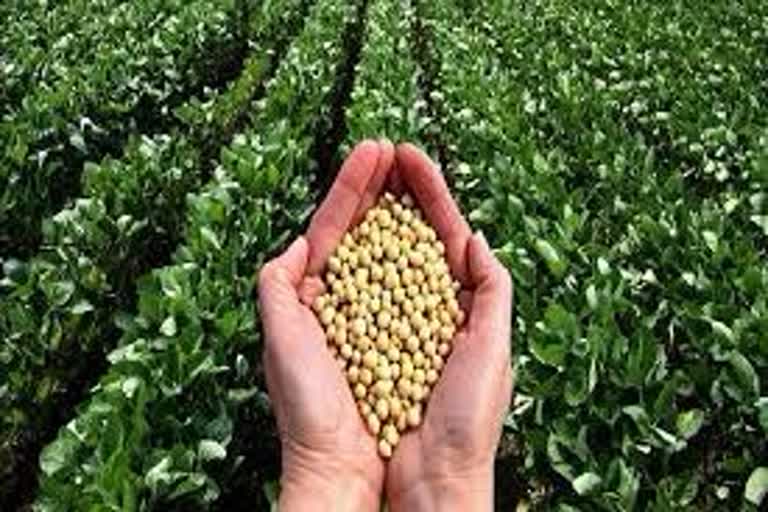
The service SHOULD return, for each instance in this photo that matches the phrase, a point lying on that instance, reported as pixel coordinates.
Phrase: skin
(330, 461)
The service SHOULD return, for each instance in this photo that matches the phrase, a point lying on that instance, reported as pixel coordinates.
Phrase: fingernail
(481, 238)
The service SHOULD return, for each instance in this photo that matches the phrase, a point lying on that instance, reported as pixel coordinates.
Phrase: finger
(280, 278)
(311, 288)
(394, 181)
(376, 185)
(490, 321)
(422, 177)
(465, 300)
(334, 216)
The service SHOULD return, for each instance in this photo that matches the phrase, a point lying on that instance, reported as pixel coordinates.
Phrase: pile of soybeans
(390, 313)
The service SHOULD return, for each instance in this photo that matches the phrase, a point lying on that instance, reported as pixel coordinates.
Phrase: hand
(447, 464)
(329, 459)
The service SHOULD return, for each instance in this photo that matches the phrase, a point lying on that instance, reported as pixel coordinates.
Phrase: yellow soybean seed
(370, 359)
(383, 372)
(319, 303)
(326, 317)
(390, 434)
(413, 416)
(385, 449)
(382, 409)
(340, 336)
(406, 369)
(374, 424)
(395, 406)
(359, 327)
(404, 387)
(382, 388)
(384, 319)
(390, 314)
(412, 344)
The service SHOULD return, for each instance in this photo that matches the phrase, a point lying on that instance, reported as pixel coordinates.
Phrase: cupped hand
(329, 459)
(447, 463)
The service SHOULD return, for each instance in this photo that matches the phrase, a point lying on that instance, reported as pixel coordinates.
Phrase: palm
(319, 409)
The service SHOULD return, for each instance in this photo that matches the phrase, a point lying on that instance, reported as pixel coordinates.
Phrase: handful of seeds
(390, 314)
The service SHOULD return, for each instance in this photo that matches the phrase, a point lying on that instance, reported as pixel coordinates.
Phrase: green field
(155, 153)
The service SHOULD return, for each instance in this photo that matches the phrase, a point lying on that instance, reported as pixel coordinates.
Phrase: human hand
(329, 459)
(447, 463)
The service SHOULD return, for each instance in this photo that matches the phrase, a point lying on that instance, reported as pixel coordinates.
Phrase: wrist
(327, 485)
(474, 494)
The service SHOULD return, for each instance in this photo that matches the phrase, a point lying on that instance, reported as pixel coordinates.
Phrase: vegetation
(155, 153)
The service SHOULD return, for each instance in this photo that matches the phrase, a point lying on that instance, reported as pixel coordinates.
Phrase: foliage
(616, 155)
(58, 311)
(386, 99)
(164, 413)
(124, 71)
(640, 296)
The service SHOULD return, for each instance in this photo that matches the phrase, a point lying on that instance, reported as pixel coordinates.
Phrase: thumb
(492, 298)
(279, 279)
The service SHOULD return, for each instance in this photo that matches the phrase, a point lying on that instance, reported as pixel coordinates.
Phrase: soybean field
(155, 153)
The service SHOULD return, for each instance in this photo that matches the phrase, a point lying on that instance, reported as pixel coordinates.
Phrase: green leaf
(209, 235)
(549, 254)
(689, 423)
(586, 483)
(762, 408)
(168, 327)
(710, 237)
(77, 140)
(721, 329)
(158, 474)
(211, 450)
(82, 307)
(62, 291)
(761, 221)
(58, 455)
(548, 350)
(757, 486)
(745, 373)
(272, 492)
(592, 296)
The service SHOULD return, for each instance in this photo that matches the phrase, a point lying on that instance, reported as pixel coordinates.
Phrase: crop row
(690, 82)
(161, 419)
(57, 312)
(641, 301)
(40, 38)
(114, 74)
(386, 100)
